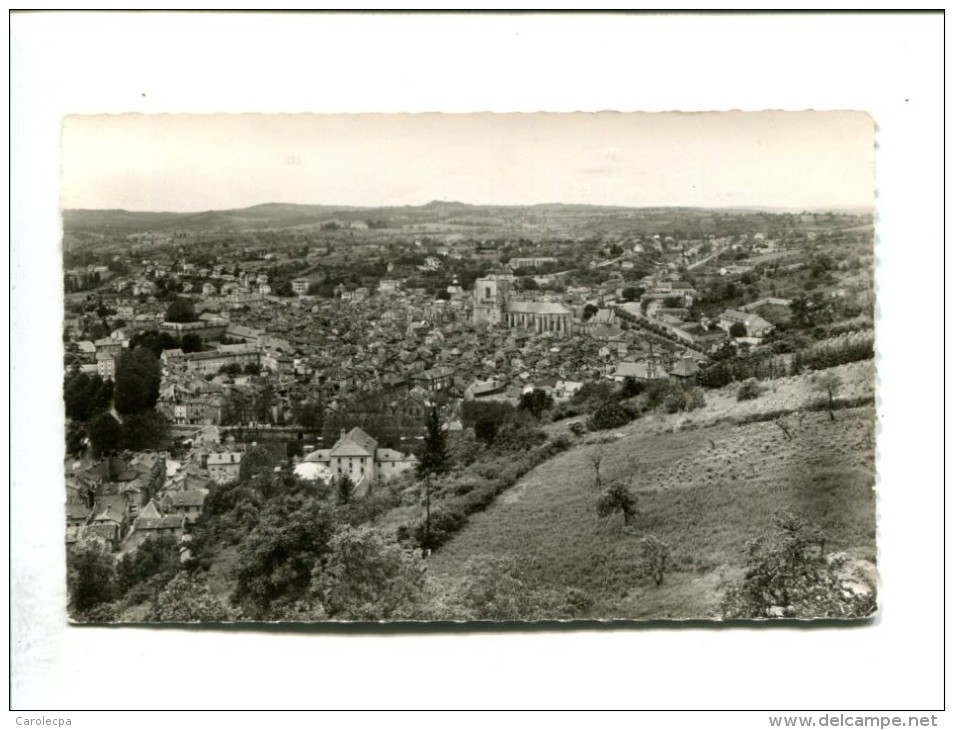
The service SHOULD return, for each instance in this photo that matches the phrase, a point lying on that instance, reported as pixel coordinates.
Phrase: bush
(518, 435)
(445, 522)
(632, 387)
(565, 410)
(535, 402)
(675, 397)
(749, 390)
(609, 415)
(654, 555)
(788, 575)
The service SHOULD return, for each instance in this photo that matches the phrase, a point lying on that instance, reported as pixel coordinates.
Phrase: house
(685, 368)
(566, 389)
(105, 365)
(483, 389)
(648, 370)
(353, 454)
(224, 467)
(300, 286)
(187, 503)
(77, 514)
(152, 523)
(108, 346)
(755, 326)
(107, 526)
(208, 435)
(436, 378)
(356, 454)
(87, 350)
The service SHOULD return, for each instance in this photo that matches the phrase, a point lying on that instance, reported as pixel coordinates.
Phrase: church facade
(495, 305)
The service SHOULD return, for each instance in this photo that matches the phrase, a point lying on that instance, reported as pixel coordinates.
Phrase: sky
(724, 159)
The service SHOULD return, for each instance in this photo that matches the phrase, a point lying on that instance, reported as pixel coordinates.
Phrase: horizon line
(760, 207)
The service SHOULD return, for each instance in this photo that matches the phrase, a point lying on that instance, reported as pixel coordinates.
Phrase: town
(262, 403)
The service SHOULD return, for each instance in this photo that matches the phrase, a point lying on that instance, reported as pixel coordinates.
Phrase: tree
(617, 498)
(138, 376)
(155, 341)
(536, 402)
(345, 489)
(473, 411)
(191, 342)
(485, 430)
(737, 329)
(595, 457)
(149, 430)
(91, 577)
(633, 293)
(257, 469)
(654, 554)
(277, 559)
(307, 414)
(588, 311)
(367, 578)
(829, 385)
(180, 310)
(263, 405)
(234, 409)
(188, 599)
(105, 434)
(631, 387)
(75, 439)
(156, 560)
(84, 396)
(431, 461)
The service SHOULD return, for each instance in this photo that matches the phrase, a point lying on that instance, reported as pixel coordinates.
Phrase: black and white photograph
(474, 367)
(490, 360)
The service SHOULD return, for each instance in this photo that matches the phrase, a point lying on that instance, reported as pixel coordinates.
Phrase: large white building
(357, 455)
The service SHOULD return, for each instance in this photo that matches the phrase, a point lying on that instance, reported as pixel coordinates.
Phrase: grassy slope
(705, 500)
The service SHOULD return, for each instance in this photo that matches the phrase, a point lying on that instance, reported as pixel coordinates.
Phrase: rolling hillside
(706, 490)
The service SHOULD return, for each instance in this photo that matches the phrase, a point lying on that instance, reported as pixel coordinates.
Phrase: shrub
(367, 577)
(655, 555)
(788, 575)
(631, 387)
(749, 390)
(535, 402)
(617, 498)
(565, 410)
(518, 435)
(609, 415)
(444, 523)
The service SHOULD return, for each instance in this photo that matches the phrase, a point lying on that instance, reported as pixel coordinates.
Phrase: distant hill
(290, 215)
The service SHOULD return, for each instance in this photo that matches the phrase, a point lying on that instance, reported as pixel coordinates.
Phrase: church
(493, 304)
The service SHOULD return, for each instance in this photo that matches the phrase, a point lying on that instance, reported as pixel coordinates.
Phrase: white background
(888, 65)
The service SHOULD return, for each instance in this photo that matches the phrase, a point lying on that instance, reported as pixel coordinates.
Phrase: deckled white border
(888, 65)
